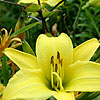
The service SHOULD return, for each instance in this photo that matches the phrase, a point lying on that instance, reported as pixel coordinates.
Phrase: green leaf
(98, 60)
(97, 98)
(93, 95)
(68, 1)
(83, 96)
(88, 96)
(5, 71)
(49, 13)
(27, 48)
(52, 98)
(49, 35)
(21, 30)
(20, 23)
(32, 8)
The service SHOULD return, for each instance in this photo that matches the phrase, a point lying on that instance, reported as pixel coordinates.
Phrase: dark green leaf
(24, 29)
(32, 8)
(27, 48)
(5, 72)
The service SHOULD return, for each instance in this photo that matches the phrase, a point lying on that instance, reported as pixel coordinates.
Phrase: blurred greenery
(9, 15)
(70, 18)
(79, 24)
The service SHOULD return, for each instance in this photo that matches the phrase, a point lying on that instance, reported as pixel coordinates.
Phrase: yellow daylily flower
(1, 90)
(57, 70)
(50, 2)
(6, 41)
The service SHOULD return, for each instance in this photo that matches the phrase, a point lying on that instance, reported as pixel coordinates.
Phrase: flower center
(57, 73)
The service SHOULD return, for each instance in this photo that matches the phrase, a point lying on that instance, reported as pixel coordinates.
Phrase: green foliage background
(9, 15)
(84, 28)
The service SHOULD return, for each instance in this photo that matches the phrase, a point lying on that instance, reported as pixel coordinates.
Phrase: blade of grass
(24, 29)
(93, 95)
(5, 71)
(83, 96)
(93, 22)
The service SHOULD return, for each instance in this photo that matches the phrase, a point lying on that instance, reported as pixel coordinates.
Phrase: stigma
(57, 73)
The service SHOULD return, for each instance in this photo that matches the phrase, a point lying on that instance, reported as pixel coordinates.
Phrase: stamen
(56, 67)
(52, 65)
(52, 60)
(60, 81)
(56, 89)
(57, 73)
(58, 55)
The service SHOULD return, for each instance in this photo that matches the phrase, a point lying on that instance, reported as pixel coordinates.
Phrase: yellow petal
(21, 59)
(4, 37)
(1, 88)
(84, 76)
(62, 95)
(85, 51)
(52, 2)
(46, 47)
(27, 1)
(31, 1)
(29, 85)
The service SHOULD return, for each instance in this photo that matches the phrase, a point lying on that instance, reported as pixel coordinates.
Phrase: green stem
(85, 6)
(67, 29)
(42, 18)
(66, 26)
(75, 22)
(76, 19)
(93, 22)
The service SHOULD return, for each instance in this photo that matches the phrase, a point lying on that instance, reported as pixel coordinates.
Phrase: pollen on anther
(58, 55)
(52, 60)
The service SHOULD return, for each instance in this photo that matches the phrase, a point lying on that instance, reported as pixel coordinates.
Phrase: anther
(58, 55)
(56, 67)
(52, 60)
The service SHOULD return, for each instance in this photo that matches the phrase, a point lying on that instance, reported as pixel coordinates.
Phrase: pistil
(52, 67)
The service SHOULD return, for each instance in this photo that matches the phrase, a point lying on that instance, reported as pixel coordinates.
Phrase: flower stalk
(42, 18)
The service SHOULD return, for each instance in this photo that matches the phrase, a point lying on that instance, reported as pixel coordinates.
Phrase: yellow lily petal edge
(85, 51)
(21, 59)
